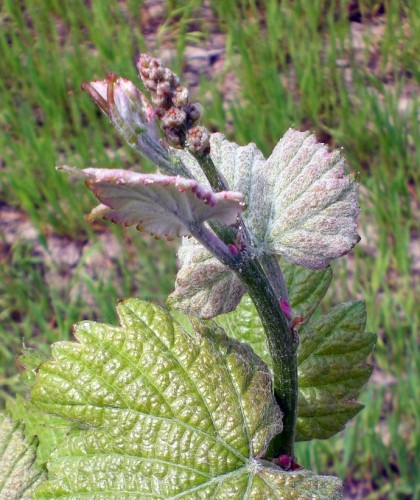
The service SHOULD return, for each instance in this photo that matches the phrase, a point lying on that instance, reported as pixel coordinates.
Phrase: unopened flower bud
(163, 89)
(150, 85)
(160, 101)
(156, 73)
(174, 118)
(174, 137)
(198, 140)
(193, 111)
(180, 97)
(172, 105)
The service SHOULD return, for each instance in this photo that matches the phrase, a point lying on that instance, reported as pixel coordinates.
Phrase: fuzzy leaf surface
(332, 365)
(19, 476)
(204, 287)
(301, 204)
(313, 203)
(161, 413)
(162, 205)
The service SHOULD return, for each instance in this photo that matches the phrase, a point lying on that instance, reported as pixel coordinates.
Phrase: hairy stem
(217, 182)
(265, 285)
(214, 244)
(282, 351)
(160, 157)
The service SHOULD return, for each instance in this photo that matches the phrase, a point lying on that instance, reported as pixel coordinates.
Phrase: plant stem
(265, 294)
(214, 244)
(217, 182)
(275, 276)
(282, 351)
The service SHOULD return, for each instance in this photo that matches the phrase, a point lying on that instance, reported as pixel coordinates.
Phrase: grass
(297, 64)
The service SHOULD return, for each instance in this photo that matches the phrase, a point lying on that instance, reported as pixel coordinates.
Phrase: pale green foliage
(331, 354)
(213, 288)
(19, 476)
(160, 413)
(301, 206)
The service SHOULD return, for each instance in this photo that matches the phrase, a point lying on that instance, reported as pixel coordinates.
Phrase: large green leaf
(160, 413)
(19, 476)
(332, 365)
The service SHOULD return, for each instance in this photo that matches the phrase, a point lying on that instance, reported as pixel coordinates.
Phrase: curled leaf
(162, 205)
(129, 111)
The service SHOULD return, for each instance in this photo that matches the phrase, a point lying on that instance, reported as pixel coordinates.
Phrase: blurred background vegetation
(346, 69)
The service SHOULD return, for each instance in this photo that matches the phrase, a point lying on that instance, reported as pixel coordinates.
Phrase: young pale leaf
(332, 365)
(204, 287)
(313, 203)
(161, 205)
(164, 414)
(301, 204)
(19, 476)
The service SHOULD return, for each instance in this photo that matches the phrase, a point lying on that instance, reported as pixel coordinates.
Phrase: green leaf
(245, 325)
(161, 413)
(332, 369)
(162, 205)
(49, 430)
(19, 476)
(306, 287)
(204, 287)
(331, 360)
(30, 359)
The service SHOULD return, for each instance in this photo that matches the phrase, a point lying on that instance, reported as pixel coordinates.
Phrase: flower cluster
(178, 115)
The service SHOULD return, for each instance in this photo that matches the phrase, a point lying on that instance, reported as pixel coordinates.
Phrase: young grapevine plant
(204, 399)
